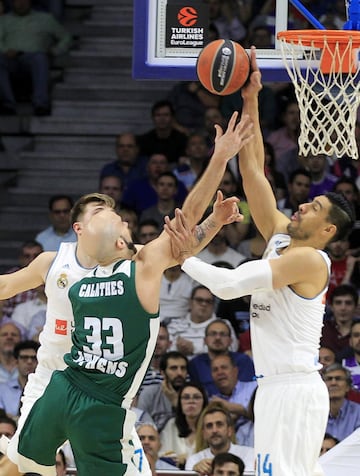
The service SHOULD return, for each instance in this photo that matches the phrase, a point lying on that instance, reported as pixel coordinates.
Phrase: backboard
(169, 35)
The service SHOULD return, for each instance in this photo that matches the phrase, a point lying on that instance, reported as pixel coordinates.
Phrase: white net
(328, 102)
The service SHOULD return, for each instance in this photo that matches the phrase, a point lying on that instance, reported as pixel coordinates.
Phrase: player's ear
(120, 243)
(330, 231)
(77, 227)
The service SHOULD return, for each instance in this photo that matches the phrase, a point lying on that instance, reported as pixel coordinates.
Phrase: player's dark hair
(341, 214)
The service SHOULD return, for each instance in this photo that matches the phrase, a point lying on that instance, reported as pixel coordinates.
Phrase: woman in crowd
(178, 436)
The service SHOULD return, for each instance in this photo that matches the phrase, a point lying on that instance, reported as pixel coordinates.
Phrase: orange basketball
(223, 67)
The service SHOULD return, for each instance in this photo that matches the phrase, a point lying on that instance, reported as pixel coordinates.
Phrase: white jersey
(55, 338)
(285, 327)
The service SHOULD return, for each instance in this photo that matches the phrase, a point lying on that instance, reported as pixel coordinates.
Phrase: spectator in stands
(228, 18)
(344, 415)
(10, 335)
(217, 342)
(195, 161)
(342, 264)
(349, 189)
(322, 181)
(189, 100)
(129, 164)
(111, 185)
(298, 189)
(141, 194)
(219, 250)
(24, 312)
(153, 374)
(234, 394)
(188, 334)
(351, 356)
(336, 331)
(7, 426)
(164, 138)
(326, 357)
(150, 440)
(175, 292)
(226, 464)
(178, 435)
(60, 463)
(285, 138)
(328, 443)
(28, 252)
(212, 116)
(148, 231)
(166, 189)
(267, 107)
(260, 36)
(235, 232)
(275, 177)
(28, 37)
(60, 229)
(129, 215)
(12, 390)
(160, 400)
(215, 434)
(36, 325)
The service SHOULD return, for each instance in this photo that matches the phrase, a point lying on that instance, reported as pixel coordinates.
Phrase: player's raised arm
(227, 145)
(26, 278)
(258, 191)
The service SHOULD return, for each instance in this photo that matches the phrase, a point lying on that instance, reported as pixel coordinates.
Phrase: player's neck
(84, 259)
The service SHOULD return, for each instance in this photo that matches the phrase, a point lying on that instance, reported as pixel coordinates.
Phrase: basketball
(223, 67)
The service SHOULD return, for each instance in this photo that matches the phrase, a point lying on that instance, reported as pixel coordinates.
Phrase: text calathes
(105, 288)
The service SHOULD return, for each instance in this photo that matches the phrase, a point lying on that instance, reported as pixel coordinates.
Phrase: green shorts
(99, 433)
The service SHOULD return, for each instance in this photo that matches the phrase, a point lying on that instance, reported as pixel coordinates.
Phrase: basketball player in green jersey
(101, 334)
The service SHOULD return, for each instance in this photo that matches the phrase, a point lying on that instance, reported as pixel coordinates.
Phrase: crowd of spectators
(199, 390)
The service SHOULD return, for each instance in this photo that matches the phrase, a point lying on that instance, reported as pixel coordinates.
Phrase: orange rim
(338, 56)
(319, 38)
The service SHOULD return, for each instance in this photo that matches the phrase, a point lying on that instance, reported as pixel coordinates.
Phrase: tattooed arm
(186, 242)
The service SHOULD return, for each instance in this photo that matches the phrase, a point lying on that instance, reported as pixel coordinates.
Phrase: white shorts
(291, 413)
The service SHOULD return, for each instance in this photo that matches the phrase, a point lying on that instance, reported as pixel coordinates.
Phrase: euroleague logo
(187, 16)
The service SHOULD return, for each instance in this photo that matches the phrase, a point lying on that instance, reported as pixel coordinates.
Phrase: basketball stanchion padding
(326, 87)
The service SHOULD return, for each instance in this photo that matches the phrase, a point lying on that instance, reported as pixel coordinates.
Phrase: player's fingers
(232, 122)
(219, 197)
(219, 132)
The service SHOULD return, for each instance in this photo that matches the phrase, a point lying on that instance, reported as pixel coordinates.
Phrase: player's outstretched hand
(183, 239)
(236, 136)
(226, 211)
(253, 85)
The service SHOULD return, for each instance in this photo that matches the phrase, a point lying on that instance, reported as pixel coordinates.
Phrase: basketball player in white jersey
(59, 271)
(288, 289)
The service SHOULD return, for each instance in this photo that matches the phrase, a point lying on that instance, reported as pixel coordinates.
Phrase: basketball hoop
(324, 68)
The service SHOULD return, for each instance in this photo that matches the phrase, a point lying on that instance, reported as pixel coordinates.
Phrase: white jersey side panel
(285, 328)
(55, 338)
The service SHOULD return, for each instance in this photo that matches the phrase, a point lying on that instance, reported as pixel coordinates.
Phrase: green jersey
(114, 337)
